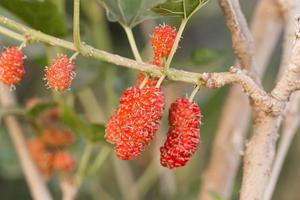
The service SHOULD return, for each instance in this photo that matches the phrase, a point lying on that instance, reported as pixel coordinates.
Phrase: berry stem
(144, 81)
(76, 25)
(176, 42)
(132, 43)
(81, 172)
(135, 50)
(191, 98)
(99, 160)
(160, 81)
(22, 45)
(12, 34)
(73, 57)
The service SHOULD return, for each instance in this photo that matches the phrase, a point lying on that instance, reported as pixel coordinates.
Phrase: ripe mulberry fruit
(41, 156)
(11, 66)
(57, 137)
(63, 161)
(184, 113)
(135, 121)
(183, 135)
(162, 40)
(60, 73)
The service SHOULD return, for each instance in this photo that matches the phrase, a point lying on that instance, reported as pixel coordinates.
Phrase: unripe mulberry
(60, 73)
(63, 161)
(162, 40)
(11, 66)
(135, 121)
(184, 134)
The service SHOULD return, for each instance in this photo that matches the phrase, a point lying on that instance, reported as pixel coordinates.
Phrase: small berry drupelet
(11, 66)
(60, 73)
(183, 136)
(135, 121)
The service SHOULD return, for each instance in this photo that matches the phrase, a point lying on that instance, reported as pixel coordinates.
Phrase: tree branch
(290, 127)
(260, 151)
(35, 182)
(242, 41)
(291, 120)
(229, 140)
(211, 80)
(289, 81)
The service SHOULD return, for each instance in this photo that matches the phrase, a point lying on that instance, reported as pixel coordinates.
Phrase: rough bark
(261, 149)
(228, 144)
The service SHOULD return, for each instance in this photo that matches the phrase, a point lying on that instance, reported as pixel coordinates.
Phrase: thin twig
(76, 25)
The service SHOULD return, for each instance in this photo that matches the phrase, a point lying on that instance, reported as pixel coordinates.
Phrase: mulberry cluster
(183, 135)
(49, 153)
(11, 66)
(60, 73)
(135, 121)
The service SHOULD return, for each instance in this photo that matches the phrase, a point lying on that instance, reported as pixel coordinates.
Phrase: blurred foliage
(41, 15)
(205, 46)
(181, 8)
(130, 12)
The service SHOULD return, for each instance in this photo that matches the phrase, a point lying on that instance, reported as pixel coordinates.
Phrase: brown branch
(261, 149)
(289, 129)
(242, 41)
(291, 120)
(34, 180)
(289, 81)
(228, 144)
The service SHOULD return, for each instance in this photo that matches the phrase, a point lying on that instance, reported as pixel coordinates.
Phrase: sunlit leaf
(130, 12)
(179, 8)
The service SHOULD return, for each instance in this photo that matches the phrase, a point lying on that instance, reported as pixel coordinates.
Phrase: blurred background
(205, 47)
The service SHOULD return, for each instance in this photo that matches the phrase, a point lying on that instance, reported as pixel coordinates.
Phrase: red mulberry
(60, 73)
(11, 66)
(135, 121)
(184, 134)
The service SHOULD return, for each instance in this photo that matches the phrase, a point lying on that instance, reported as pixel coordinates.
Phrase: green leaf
(130, 12)
(39, 108)
(179, 8)
(91, 132)
(206, 56)
(42, 15)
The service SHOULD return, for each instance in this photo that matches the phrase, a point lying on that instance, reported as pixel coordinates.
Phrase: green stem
(160, 80)
(176, 42)
(194, 93)
(76, 25)
(146, 78)
(132, 43)
(81, 172)
(12, 34)
(99, 160)
(89, 51)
